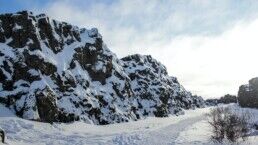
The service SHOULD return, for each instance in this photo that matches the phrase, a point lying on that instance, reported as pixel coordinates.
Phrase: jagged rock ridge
(52, 71)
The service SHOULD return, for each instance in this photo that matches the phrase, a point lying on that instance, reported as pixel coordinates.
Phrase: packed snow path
(166, 135)
(188, 129)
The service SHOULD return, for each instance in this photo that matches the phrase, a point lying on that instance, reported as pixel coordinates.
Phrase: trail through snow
(188, 129)
(164, 135)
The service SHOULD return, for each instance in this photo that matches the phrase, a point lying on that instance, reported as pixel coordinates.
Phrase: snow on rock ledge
(52, 71)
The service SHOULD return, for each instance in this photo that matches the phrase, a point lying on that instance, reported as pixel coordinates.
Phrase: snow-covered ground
(188, 129)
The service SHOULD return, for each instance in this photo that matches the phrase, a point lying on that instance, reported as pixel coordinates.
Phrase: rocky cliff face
(156, 93)
(248, 94)
(52, 71)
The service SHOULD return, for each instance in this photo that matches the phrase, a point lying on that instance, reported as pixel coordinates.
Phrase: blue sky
(199, 17)
(202, 42)
(9, 6)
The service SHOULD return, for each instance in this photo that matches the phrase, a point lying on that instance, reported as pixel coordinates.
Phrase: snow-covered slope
(189, 129)
(52, 71)
(148, 131)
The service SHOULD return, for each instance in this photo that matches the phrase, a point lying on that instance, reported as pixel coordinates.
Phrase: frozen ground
(188, 129)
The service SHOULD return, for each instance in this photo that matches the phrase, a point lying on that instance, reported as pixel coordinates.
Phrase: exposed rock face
(2, 135)
(248, 94)
(156, 93)
(52, 71)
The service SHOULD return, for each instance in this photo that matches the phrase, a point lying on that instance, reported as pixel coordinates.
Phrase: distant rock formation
(248, 94)
(226, 99)
(52, 71)
(211, 102)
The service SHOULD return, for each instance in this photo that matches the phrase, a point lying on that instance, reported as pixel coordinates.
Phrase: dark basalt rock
(161, 111)
(67, 117)
(46, 33)
(248, 94)
(20, 28)
(198, 101)
(155, 86)
(2, 135)
(89, 59)
(46, 105)
(37, 63)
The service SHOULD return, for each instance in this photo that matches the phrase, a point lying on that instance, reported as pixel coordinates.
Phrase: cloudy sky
(211, 46)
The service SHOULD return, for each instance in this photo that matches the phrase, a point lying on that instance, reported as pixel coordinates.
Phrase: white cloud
(204, 43)
(213, 66)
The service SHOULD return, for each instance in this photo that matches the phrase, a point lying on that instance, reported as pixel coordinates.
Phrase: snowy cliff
(52, 71)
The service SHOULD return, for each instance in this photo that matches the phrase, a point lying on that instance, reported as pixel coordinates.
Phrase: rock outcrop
(2, 135)
(153, 88)
(52, 71)
(248, 94)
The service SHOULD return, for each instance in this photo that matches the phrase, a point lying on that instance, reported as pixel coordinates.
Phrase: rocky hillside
(153, 87)
(52, 71)
(248, 94)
